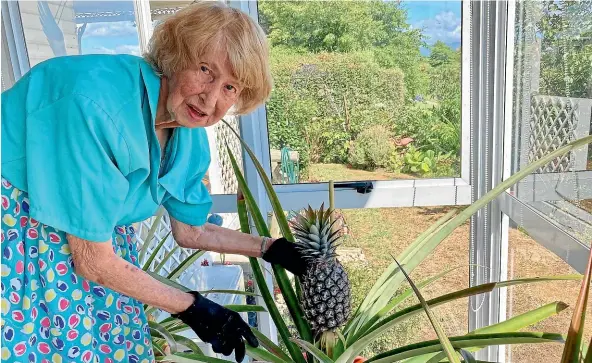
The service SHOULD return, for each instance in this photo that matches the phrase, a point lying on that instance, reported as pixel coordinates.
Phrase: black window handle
(360, 187)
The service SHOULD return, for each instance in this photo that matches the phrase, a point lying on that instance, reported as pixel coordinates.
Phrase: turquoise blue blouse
(78, 136)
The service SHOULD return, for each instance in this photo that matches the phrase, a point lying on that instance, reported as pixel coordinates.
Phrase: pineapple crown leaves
(315, 235)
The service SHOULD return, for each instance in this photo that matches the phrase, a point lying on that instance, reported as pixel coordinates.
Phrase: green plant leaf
(275, 203)
(390, 281)
(340, 346)
(246, 308)
(448, 227)
(164, 280)
(435, 358)
(316, 352)
(262, 355)
(150, 235)
(523, 320)
(179, 328)
(571, 351)
(157, 329)
(168, 321)
(260, 279)
(185, 264)
(270, 346)
(377, 289)
(438, 357)
(362, 342)
(231, 292)
(188, 343)
(157, 347)
(168, 282)
(467, 356)
(280, 273)
(516, 323)
(446, 345)
(155, 253)
(399, 299)
(466, 341)
(380, 328)
(165, 259)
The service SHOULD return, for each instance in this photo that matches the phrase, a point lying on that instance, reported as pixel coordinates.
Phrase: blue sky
(115, 37)
(440, 20)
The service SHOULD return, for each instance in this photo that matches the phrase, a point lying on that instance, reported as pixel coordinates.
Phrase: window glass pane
(527, 258)
(364, 90)
(371, 236)
(58, 28)
(553, 106)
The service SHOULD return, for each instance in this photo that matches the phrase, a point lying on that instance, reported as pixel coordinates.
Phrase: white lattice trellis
(162, 229)
(554, 122)
(225, 136)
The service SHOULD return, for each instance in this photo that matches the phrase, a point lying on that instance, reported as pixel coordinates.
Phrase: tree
(441, 54)
(333, 26)
(566, 48)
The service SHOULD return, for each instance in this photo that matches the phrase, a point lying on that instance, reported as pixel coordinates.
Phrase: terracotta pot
(359, 359)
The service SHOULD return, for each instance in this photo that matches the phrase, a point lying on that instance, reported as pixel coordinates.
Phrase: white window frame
(15, 37)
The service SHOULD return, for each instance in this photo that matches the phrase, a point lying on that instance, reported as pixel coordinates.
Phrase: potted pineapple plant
(328, 331)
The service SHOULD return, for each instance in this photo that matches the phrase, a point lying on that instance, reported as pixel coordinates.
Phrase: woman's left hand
(286, 254)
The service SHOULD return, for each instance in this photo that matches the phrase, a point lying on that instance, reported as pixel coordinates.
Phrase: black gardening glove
(287, 255)
(224, 329)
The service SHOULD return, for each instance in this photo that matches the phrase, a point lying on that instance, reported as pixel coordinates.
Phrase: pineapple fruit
(325, 296)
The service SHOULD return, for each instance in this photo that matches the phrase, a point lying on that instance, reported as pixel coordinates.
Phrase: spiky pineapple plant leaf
(373, 317)
(376, 316)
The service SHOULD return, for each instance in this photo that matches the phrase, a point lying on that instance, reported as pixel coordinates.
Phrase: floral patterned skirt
(51, 314)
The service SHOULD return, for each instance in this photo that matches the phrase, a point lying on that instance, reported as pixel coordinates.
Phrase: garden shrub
(371, 149)
(321, 102)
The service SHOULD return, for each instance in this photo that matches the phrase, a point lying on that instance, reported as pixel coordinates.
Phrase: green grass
(340, 172)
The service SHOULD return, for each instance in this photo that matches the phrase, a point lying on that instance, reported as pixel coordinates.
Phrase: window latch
(360, 187)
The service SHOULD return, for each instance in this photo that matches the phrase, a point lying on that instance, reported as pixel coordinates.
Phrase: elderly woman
(92, 144)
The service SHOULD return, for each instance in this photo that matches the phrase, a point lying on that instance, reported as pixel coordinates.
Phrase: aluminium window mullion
(489, 30)
(15, 36)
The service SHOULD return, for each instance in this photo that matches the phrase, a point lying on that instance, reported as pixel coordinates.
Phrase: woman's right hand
(224, 329)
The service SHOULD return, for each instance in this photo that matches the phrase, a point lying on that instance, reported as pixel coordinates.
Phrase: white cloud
(445, 26)
(128, 49)
(120, 49)
(114, 29)
(102, 50)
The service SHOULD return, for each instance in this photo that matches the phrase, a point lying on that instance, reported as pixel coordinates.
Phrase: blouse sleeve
(76, 165)
(194, 210)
